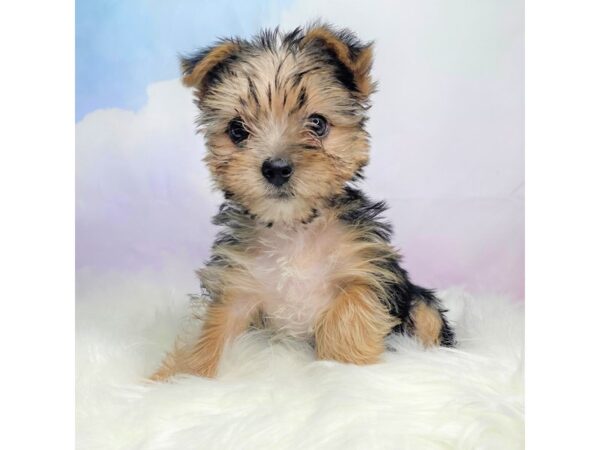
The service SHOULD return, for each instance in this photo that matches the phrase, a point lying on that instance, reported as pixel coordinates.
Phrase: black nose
(277, 171)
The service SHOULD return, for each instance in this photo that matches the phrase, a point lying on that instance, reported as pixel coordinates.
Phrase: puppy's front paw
(205, 367)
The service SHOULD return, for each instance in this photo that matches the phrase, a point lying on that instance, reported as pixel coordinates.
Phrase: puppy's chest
(297, 271)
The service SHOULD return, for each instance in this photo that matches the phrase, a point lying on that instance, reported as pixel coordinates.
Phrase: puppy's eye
(237, 131)
(318, 125)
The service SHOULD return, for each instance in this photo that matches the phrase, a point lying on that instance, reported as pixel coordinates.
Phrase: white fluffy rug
(272, 394)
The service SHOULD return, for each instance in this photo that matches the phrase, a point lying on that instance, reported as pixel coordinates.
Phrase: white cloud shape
(143, 192)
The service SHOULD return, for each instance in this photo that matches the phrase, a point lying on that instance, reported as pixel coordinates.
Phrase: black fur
(342, 73)
(301, 101)
(252, 91)
(269, 94)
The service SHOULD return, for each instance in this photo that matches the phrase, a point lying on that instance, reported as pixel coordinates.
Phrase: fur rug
(272, 394)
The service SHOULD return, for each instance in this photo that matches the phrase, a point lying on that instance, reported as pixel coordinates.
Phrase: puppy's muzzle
(277, 171)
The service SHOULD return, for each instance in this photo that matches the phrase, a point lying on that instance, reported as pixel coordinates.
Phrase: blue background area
(122, 46)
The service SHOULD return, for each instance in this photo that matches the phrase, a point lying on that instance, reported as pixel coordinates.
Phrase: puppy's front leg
(353, 328)
(225, 320)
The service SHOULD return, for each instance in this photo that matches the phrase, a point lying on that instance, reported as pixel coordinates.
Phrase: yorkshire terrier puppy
(302, 250)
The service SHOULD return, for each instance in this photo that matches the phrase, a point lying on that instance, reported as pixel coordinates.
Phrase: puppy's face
(283, 117)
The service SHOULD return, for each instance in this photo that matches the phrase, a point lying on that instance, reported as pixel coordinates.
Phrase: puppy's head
(283, 116)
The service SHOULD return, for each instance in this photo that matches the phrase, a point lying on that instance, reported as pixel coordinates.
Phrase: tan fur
(340, 302)
(360, 66)
(306, 265)
(427, 324)
(218, 54)
(354, 327)
(224, 321)
(262, 91)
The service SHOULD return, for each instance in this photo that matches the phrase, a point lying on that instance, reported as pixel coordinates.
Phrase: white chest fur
(295, 269)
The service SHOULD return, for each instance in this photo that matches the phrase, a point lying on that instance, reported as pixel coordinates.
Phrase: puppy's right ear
(201, 69)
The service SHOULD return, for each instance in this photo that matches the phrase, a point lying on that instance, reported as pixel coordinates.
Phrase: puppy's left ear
(356, 58)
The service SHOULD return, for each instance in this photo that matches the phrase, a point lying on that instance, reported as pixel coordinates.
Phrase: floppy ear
(356, 58)
(203, 68)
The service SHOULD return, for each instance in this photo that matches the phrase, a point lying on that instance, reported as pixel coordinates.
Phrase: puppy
(302, 250)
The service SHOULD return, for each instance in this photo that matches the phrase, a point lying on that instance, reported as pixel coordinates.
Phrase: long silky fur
(340, 286)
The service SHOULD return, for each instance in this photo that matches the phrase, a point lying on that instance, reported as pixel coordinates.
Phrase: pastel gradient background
(447, 133)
